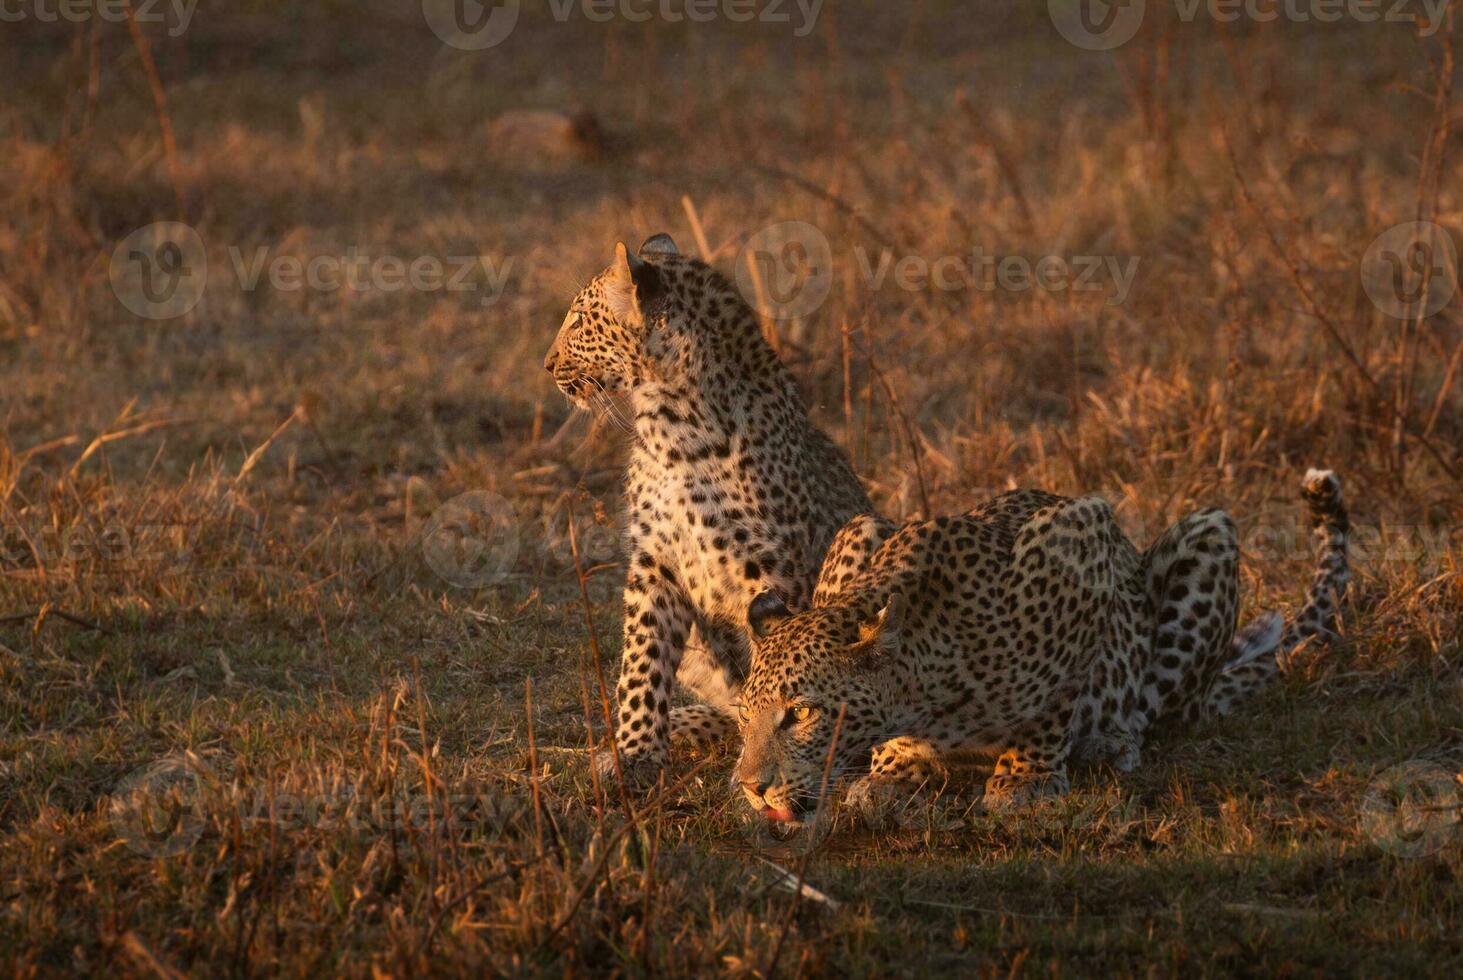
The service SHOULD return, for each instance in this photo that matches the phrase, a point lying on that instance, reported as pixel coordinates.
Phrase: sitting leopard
(1028, 629)
(731, 489)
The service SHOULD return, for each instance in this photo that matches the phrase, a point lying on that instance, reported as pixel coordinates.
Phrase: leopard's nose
(550, 359)
(756, 787)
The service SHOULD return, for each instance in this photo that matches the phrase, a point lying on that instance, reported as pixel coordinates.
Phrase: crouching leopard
(731, 489)
(1029, 629)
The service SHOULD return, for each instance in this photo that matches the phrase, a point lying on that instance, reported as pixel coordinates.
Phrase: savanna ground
(214, 583)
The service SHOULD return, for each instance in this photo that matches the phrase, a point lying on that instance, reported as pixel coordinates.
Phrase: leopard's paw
(1121, 751)
(641, 771)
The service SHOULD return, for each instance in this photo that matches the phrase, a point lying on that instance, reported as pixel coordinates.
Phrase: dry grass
(169, 593)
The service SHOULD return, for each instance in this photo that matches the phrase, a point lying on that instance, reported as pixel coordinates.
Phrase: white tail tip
(1315, 477)
(1259, 637)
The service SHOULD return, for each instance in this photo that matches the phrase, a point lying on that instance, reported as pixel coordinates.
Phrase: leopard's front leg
(1035, 766)
(1061, 590)
(658, 619)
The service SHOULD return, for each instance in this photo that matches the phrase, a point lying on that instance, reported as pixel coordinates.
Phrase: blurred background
(1239, 170)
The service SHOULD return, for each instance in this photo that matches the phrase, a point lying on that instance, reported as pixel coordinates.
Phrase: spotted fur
(1029, 629)
(731, 489)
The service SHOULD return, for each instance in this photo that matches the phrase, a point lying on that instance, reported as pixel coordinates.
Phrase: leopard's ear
(631, 285)
(766, 611)
(661, 244)
(883, 633)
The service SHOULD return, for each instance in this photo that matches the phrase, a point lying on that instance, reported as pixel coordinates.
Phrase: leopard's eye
(743, 713)
(802, 712)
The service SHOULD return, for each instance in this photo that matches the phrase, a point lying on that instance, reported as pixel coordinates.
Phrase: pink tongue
(783, 815)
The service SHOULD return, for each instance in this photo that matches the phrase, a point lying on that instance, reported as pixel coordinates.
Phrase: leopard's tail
(1269, 634)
